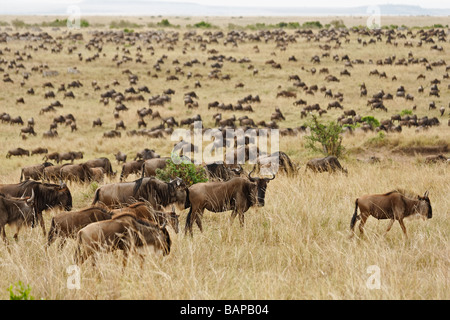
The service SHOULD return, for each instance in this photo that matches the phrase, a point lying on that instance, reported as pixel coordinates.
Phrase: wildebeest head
(261, 186)
(424, 206)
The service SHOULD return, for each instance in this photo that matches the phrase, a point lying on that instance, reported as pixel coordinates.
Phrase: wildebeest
(34, 172)
(327, 164)
(237, 194)
(150, 166)
(17, 152)
(143, 210)
(16, 211)
(123, 232)
(67, 224)
(394, 205)
(280, 160)
(146, 154)
(76, 173)
(158, 193)
(120, 157)
(133, 167)
(103, 163)
(222, 172)
(47, 196)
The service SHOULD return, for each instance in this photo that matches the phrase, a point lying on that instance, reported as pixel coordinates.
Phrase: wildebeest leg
(62, 243)
(403, 227)
(42, 223)
(233, 215)
(4, 235)
(198, 221)
(391, 222)
(241, 218)
(361, 224)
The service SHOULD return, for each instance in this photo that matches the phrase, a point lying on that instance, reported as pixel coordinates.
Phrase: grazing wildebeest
(17, 152)
(34, 172)
(133, 167)
(222, 172)
(146, 154)
(158, 193)
(67, 224)
(394, 205)
(16, 211)
(237, 194)
(327, 164)
(76, 172)
(143, 210)
(150, 166)
(102, 163)
(39, 150)
(281, 160)
(47, 196)
(69, 156)
(123, 232)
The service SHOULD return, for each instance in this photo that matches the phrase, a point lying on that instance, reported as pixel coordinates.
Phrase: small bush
(405, 112)
(312, 25)
(372, 121)
(185, 170)
(18, 291)
(339, 23)
(203, 24)
(328, 137)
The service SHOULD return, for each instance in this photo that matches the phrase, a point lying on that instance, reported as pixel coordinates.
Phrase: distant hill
(137, 7)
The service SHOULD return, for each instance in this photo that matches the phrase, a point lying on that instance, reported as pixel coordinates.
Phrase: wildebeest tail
(355, 216)
(96, 196)
(187, 202)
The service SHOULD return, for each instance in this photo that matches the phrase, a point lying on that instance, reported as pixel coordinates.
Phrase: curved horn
(250, 175)
(32, 197)
(426, 194)
(268, 179)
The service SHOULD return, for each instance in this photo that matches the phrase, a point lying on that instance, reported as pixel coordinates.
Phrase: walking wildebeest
(17, 152)
(394, 205)
(67, 224)
(143, 210)
(123, 232)
(237, 194)
(16, 211)
(34, 172)
(47, 196)
(158, 193)
(327, 164)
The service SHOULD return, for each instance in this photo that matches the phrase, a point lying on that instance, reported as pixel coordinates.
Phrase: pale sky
(256, 3)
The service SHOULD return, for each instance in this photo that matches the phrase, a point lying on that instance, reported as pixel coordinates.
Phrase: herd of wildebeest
(130, 214)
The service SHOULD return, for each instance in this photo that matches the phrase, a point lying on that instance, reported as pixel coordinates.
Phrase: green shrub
(18, 291)
(183, 169)
(328, 137)
(312, 24)
(372, 121)
(405, 112)
(203, 24)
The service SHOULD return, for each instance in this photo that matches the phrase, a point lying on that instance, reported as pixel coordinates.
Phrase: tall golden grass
(297, 246)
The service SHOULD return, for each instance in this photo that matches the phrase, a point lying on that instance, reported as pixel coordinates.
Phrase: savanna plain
(295, 247)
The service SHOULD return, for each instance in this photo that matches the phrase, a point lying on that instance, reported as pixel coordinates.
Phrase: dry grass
(297, 246)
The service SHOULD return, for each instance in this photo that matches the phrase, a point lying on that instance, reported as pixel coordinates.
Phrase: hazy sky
(257, 3)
